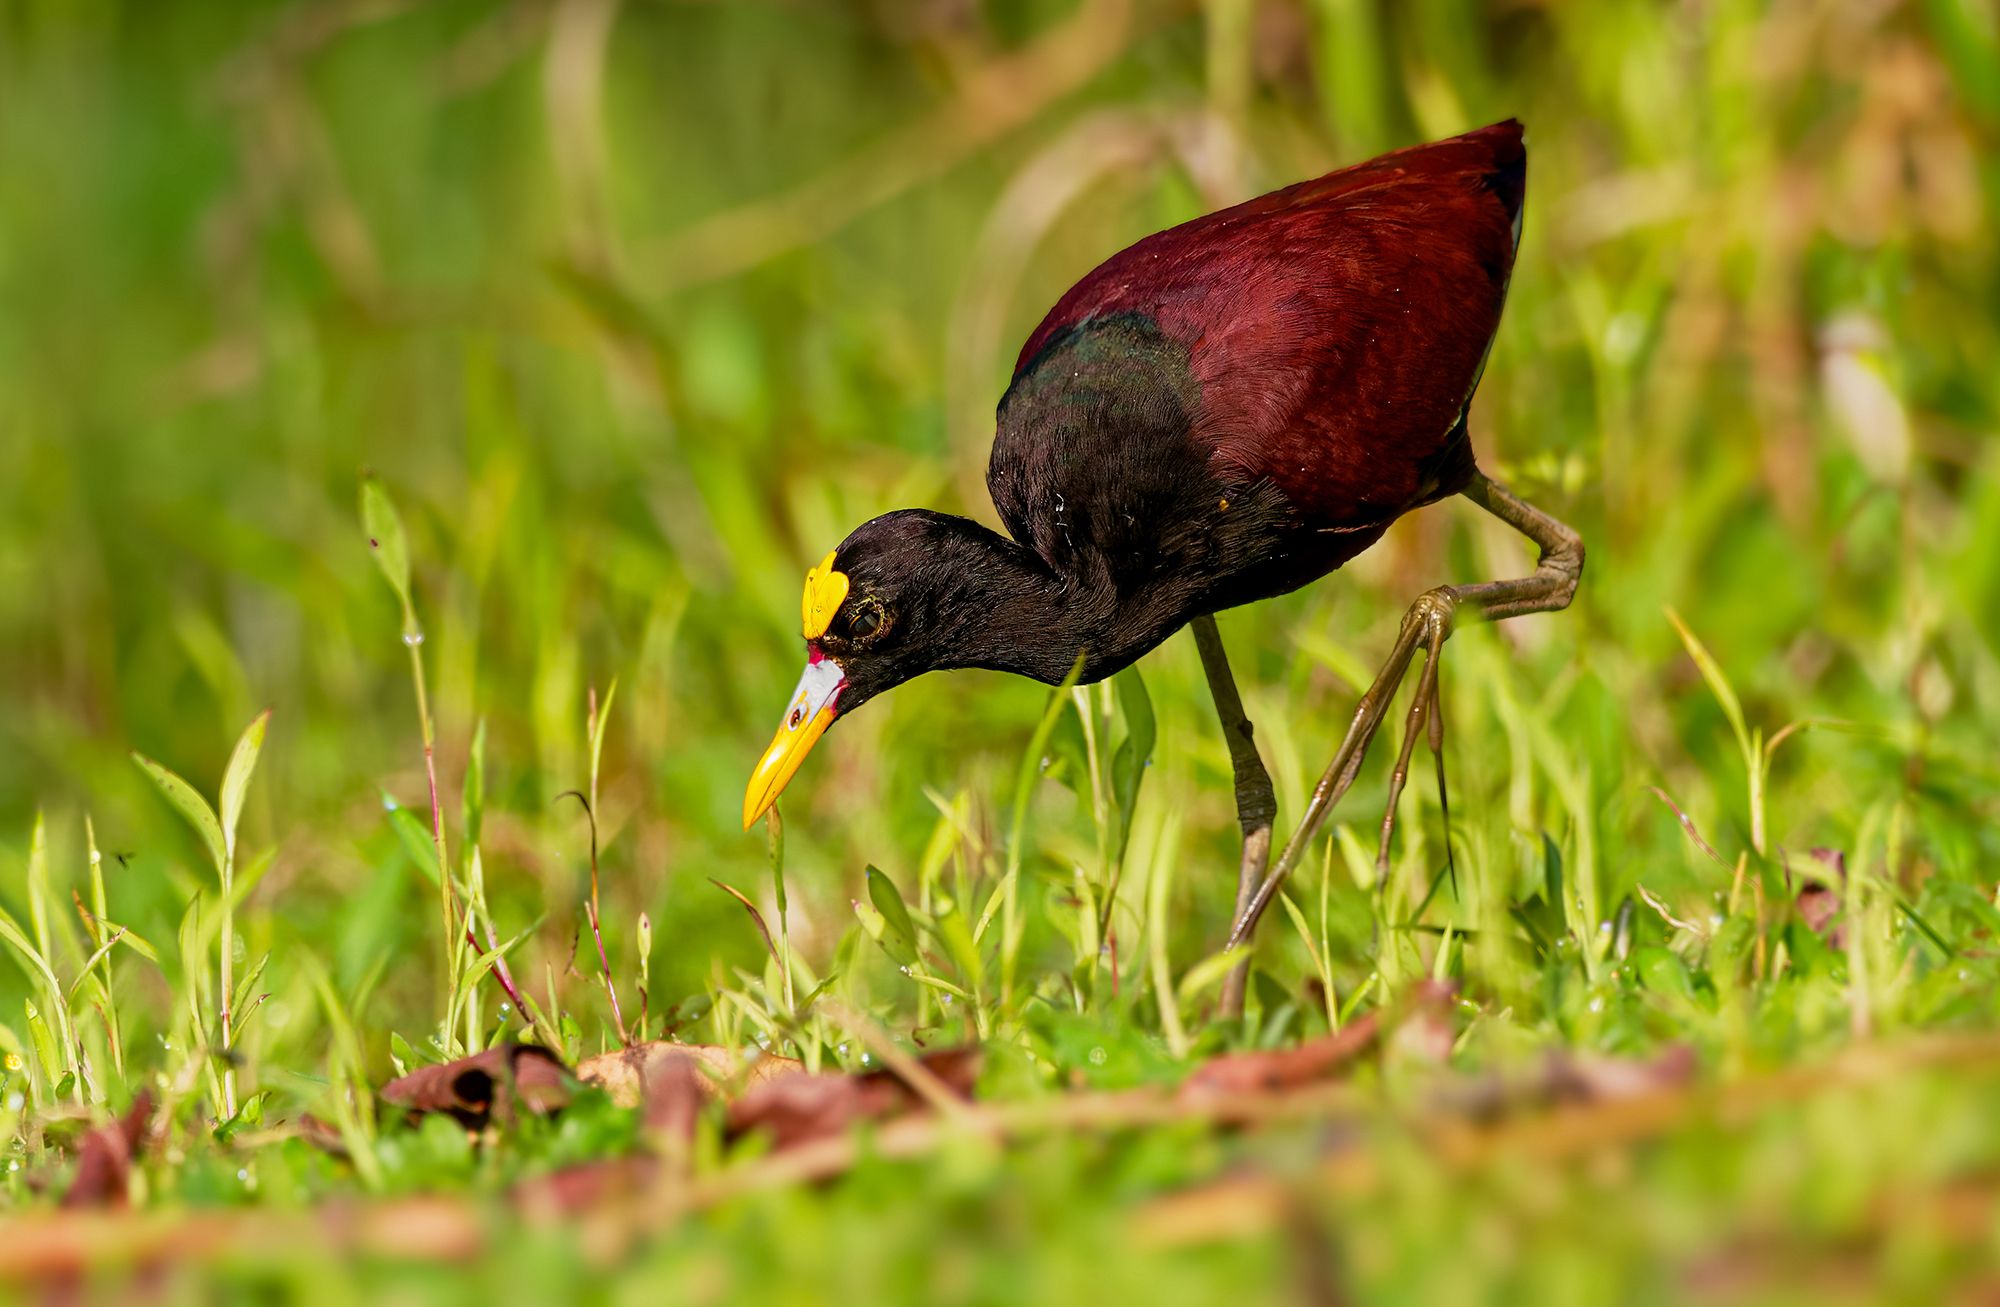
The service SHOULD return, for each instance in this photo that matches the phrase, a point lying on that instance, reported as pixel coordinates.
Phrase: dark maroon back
(1335, 328)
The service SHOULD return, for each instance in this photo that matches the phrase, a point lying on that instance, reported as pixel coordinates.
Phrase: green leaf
(1662, 971)
(1298, 919)
(248, 983)
(412, 835)
(236, 777)
(191, 806)
(956, 932)
(774, 834)
(1207, 972)
(473, 803)
(1359, 861)
(38, 884)
(387, 541)
(945, 985)
(97, 900)
(1141, 732)
(402, 1055)
(251, 1113)
(487, 961)
(1024, 787)
(352, 1110)
(597, 721)
(1718, 685)
(194, 965)
(44, 1042)
(812, 996)
(130, 938)
(12, 934)
(1903, 905)
(888, 901)
(98, 955)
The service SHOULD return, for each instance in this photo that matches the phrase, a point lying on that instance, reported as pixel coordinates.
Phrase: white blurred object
(1854, 376)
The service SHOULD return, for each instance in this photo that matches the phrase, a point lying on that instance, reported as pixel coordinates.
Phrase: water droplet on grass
(413, 638)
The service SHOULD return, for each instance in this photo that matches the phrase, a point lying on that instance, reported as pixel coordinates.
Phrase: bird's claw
(1432, 614)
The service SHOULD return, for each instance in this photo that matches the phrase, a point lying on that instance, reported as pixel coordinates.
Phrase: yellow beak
(810, 713)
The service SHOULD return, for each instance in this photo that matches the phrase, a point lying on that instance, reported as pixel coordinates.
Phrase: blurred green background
(637, 308)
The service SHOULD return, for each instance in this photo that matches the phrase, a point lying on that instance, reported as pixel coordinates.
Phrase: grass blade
(888, 901)
(236, 776)
(755, 916)
(189, 803)
(1718, 685)
(387, 542)
(1209, 972)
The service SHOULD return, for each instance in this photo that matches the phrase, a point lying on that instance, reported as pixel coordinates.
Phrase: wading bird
(1221, 413)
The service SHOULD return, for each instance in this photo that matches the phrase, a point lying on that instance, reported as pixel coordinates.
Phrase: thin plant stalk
(228, 982)
(595, 724)
(1007, 897)
(98, 901)
(413, 640)
(391, 550)
(1090, 930)
(775, 833)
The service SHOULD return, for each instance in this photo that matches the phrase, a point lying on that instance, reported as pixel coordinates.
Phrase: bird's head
(895, 600)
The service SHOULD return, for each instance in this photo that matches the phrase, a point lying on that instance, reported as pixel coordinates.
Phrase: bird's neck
(1016, 612)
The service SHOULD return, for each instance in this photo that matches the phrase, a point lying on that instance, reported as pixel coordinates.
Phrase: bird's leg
(1422, 704)
(1256, 803)
(1429, 623)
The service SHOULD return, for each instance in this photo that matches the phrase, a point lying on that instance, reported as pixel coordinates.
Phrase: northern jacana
(1221, 413)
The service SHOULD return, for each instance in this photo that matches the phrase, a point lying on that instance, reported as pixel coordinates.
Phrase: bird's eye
(864, 623)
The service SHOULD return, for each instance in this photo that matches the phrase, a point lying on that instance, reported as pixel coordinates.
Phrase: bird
(1225, 411)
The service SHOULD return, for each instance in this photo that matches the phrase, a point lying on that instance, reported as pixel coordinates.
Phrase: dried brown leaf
(104, 1158)
(676, 1092)
(1425, 1033)
(320, 1134)
(1285, 1068)
(624, 1073)
(1582, 1078)
(586, 1186)
(485, 1087)
(800, 1107)
(1820, 905)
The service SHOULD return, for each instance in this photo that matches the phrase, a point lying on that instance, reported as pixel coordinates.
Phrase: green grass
(631, 332)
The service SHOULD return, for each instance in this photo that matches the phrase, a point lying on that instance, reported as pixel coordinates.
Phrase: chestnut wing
(1335, 329)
